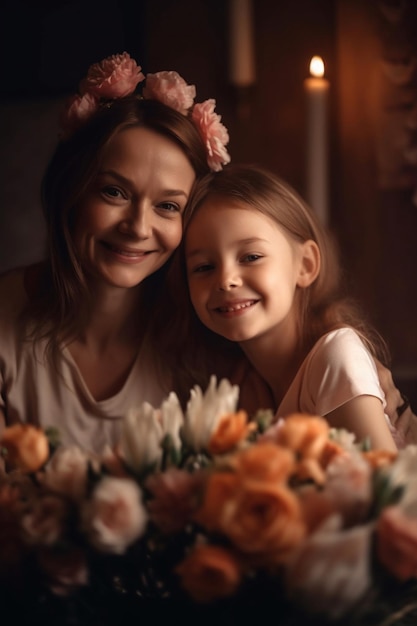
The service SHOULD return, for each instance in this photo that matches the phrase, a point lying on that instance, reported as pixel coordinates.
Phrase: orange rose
(306, 435)
(209, 573)
(220, 489)
(396, 536)
(265, 461)
(259, 517)
(26, 446)
(231, 429)
(264, 519)
(380, 458)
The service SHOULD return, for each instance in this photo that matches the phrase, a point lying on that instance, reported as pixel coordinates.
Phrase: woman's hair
(321, 307)
(75, 163)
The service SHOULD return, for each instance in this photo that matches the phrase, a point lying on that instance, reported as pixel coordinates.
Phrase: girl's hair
(321, 307)
(56, 312)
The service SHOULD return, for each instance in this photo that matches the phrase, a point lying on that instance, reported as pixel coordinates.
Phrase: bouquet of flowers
(212, 514)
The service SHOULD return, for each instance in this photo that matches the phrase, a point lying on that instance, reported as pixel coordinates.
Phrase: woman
(72, 329)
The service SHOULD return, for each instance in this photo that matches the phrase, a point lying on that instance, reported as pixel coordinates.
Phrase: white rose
(115, 516)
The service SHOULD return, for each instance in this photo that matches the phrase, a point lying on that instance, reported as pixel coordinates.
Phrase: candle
(241, 62)
(317, 88)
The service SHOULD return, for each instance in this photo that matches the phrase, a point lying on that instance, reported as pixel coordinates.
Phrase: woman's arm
(364, 416)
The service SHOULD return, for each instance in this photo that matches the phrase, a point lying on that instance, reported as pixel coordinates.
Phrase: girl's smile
(242, 271)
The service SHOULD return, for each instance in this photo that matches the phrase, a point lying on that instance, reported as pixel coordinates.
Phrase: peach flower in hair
(171, 89)
(213, 132)
(114, 77)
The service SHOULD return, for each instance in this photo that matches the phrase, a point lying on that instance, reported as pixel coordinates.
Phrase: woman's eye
(113, 192)
(169, 206)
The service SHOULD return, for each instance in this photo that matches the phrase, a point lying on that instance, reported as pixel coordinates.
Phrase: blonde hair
(321, 307)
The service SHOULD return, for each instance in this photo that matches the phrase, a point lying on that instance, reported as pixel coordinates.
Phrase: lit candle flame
(317, 67)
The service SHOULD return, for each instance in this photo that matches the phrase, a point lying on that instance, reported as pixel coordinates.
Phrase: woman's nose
(137, 221)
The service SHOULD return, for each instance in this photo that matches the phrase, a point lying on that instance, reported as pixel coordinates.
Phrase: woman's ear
(309, 263)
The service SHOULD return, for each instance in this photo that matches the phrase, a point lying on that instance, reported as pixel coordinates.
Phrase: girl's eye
(249, 258)
(169, 206)
(204, 267)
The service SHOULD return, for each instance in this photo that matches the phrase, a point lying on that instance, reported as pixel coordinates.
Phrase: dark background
(369, 47)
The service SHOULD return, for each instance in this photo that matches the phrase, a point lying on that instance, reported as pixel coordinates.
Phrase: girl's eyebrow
(249, 240)
(127, 181)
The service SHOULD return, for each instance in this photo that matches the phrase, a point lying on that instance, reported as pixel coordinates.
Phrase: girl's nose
(137, 222)
(228, 280)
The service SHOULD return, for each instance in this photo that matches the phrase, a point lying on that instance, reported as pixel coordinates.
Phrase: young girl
(262, 273)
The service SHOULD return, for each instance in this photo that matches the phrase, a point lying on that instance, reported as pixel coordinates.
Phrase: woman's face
(129, 221)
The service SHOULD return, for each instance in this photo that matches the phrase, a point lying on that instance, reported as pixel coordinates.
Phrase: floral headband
(118, 76)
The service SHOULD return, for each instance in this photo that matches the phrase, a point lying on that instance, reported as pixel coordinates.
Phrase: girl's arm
(364, 416)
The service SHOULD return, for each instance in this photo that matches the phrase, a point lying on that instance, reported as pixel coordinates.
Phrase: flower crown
(118, 76)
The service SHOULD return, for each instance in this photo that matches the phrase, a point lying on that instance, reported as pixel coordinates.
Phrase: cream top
(37, 391)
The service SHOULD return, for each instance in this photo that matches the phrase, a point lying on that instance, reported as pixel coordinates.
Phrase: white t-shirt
(34, 390)
(339, 368)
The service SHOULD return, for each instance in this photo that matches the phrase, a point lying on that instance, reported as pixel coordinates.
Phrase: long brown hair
(323, 306)
(55, 309)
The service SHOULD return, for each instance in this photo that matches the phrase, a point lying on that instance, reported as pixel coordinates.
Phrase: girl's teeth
(237, 307)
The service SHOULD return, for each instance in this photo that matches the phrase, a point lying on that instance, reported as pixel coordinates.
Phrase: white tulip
(172, 419)
(205, 411)
(141, 437)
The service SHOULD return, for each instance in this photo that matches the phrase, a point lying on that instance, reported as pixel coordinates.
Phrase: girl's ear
(309, 263)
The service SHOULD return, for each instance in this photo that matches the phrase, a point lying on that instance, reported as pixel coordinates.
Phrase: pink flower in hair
(171, 89)
(114, 77)
(78, 110)
(213, 132)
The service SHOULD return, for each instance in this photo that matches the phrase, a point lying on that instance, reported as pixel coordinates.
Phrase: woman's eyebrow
(127, 181)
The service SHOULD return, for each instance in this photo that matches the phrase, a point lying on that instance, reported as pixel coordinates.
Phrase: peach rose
(171, 89)
(77, 111)
(213, 132)
(45, 521)
(114, 77)
(265, 461)
(174, 499)
(66, 473)
(26, 446)
(231, 430)
(114, 517)
(396, 543)
(209, 573)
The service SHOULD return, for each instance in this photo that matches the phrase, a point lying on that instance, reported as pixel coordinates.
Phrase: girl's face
(242, 271)
(129, 221)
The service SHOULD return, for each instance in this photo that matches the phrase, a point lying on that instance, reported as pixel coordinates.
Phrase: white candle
(241, 61)
(317, 88)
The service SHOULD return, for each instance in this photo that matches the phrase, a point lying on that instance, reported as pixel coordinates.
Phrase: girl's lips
(236, 307)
